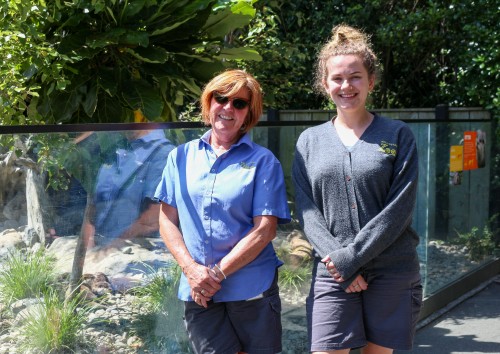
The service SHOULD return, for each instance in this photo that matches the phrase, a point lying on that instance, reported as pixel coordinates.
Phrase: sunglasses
(238, 103)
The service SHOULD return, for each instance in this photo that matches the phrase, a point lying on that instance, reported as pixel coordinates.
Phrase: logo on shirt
(247, 166)
(388, 148)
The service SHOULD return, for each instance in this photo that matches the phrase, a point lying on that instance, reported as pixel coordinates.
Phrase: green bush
(55, 326)
(480, 244)
(161, 326)
(25, 275)
(292, 278)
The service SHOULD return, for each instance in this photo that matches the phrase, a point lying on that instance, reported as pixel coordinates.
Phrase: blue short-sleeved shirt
(216, 199)
(123, 186)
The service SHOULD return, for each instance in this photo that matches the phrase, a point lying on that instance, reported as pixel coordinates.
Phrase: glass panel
(57, 187)
(460, 237)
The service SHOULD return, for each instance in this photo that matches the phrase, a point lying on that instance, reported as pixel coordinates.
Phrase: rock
(10, 240)
(15, 207)
(300, 249)
(20, 305)
(31, 236)
(122, 268)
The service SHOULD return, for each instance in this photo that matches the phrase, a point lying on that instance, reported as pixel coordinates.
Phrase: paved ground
(471, 327)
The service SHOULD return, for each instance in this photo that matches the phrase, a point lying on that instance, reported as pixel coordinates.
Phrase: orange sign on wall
(470, 150)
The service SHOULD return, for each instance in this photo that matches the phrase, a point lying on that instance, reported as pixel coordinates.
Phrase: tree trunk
(79, 257)
(37, 208)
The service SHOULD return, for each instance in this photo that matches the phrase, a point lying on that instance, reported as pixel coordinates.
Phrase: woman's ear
(325, 85)
(371, 83)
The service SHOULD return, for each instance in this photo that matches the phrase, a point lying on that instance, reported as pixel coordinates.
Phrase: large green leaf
(107, 81)
(63, 104)
(109, 110)
(172, 26)
(132, 8)
(134, 38)
(75, 43)
(225, 21)
(150, 54)
(190, 85)
(90, 102)
(105, 39)
(139, 94)
(239, 53)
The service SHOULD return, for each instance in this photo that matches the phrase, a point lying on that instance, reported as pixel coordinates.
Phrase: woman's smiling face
(225, 119)
(348, 82)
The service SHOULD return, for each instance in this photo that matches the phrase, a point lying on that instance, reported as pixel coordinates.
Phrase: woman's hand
(203, 282)
(358, 284)
(332, 269)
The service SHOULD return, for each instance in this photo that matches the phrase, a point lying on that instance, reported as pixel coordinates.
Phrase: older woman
(222, 197)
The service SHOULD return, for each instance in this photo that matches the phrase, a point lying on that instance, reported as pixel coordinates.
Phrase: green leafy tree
(112, 61)
(430, 52)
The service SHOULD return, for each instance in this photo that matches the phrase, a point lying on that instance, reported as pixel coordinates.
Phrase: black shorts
(252, 326)
(385, 314)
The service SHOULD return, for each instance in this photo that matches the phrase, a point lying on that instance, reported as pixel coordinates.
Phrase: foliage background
(103, 60)
(112, 61)
(431, 52)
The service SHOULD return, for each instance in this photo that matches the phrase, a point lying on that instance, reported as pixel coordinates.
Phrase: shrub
(161, 327)
(25, 275)
(55, 326)
(292, 278)
(479, 244)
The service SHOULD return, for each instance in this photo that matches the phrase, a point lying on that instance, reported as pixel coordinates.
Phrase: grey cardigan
(357, 205)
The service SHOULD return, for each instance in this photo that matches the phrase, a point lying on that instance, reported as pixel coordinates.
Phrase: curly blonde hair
(228, 83)
(345, 40)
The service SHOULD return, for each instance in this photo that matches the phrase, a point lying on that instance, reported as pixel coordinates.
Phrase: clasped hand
(204, 283)
(358, 284)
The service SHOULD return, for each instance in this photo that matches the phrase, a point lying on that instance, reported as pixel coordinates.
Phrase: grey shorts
(385, 314)
(252, 326)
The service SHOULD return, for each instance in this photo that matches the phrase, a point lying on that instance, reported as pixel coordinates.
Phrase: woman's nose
(345, 83)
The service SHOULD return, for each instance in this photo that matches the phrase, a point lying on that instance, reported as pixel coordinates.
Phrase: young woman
(355, 180)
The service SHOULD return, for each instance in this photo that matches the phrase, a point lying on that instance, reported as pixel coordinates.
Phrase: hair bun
(343, 35)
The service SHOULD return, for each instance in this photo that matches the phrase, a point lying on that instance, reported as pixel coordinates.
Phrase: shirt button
(206, 242)
(348, 178)
(213, 170)
(206, 217)
(353, 206)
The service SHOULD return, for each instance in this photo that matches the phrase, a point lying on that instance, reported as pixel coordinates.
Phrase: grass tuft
(293, 278)
(26, 275)
(55, 325)
(159, 326)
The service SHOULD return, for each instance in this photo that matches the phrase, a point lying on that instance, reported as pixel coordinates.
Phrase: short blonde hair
(228, 83)
(345, 40)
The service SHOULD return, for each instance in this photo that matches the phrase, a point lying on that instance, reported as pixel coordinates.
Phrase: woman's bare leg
(372, 348)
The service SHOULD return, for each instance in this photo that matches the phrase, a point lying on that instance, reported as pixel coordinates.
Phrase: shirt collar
(150, 137)
(245, 139)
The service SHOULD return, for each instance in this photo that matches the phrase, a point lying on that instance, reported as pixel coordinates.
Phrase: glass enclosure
(66, 196)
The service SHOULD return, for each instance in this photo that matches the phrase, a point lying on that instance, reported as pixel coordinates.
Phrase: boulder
(124, 266)
(10, 240)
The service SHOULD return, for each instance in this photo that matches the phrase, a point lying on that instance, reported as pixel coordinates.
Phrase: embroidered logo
(248, 165)
(388, 148)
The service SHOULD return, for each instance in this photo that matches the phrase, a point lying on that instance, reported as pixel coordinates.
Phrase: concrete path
(471, 327)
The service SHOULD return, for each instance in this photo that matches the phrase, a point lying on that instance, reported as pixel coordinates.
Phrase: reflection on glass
(122, 206)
